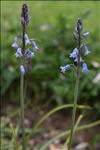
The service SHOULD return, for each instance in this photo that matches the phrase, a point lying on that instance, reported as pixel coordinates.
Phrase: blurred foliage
(52, 24)
(94, 141)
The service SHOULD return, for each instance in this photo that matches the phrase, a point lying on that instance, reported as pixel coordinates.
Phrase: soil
(52, 126)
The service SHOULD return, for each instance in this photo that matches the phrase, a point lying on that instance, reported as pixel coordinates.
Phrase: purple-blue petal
(65, 68)
(85, 49)
(74, 54)
(19, 53)
(84, 68)
(27, 40)
(34, 46)
(29, 54)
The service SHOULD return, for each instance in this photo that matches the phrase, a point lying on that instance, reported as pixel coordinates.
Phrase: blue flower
(29, 54)
(86, 51)
(22, 69)
(15, 43)
(64, 68)
(84, 68)
(27, 40)
(34, 46)
(74, 54)
(85, 34)
(19, 53)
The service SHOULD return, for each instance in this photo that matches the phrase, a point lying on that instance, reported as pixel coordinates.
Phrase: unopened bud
(79, 25)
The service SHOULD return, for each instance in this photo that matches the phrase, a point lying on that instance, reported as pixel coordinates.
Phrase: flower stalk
(76, 55)
(76, 91)
(22, 86)
(25, 56)
(22, 110)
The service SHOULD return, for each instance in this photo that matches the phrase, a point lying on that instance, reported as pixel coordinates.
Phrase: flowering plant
(76, 53)
(78, 60)
(25, 55)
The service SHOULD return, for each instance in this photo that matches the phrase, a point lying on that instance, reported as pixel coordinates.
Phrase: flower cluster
(25, 55)
(77, 52)
(25, 17)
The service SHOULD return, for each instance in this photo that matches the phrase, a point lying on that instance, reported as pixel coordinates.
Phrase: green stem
(75, 94)
(75, 127)
(22, 93)
(22, 110)
(74, 111)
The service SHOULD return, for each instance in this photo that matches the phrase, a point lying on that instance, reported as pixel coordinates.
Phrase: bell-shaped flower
(15, 43)
(64, 68)
(19, 53)
(85, 49)
(27, 40)
(85, 34)
(74, 54)
(22, 69)
(84, 68)
(34, 46)
(29, 54)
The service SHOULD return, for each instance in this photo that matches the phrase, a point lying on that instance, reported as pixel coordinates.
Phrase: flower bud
(25, 17)
(22, 69)
(79, 25)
